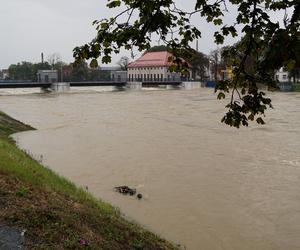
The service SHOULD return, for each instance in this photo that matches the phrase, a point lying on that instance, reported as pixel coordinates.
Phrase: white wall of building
(151, 74)
(47, 76)
(282, 75)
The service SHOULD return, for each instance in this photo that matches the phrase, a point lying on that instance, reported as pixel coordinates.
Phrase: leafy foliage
(71, 72)
(271, 45)
(199, 63)
(26, 70)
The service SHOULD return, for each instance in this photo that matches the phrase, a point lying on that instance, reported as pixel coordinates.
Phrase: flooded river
(204, 185)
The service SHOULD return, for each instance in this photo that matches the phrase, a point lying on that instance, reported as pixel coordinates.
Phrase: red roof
(157, 59)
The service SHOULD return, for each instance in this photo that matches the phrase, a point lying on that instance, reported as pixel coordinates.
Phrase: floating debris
(126, 190)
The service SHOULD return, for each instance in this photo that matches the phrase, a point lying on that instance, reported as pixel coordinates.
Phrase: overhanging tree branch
(265, 43)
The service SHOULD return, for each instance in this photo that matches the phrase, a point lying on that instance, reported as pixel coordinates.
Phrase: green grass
(296, 87)
(9, 126)
(55, 213)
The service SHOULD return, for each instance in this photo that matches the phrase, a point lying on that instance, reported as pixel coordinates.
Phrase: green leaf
(219, 39)
(251, 117)
(260, 121)
(106, 59)
(218, 21)
(221, 95)
(94, 63)
(114, 4)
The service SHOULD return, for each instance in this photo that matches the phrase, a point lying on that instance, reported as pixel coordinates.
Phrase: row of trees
(200, 63)
(66, 72)
(204, 66)
(26, 70)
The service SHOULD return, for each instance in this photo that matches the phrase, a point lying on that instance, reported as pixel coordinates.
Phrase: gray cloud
(29, 27)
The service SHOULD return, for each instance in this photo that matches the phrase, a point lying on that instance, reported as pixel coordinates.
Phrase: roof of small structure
(154, 59)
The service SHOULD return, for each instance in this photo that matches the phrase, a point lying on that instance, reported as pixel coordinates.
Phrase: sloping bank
(54, 212)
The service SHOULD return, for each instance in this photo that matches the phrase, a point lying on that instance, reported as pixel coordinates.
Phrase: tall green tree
(21, 71)
(294, 74)
(200, 64)
(80, 72)
(273, 45)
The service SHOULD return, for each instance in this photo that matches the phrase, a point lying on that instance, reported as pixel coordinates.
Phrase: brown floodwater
(204, 185)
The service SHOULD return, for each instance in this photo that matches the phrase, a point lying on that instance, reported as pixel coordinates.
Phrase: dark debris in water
(125, 190)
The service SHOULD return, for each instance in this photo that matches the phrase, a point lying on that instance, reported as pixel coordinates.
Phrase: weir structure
(65, 86)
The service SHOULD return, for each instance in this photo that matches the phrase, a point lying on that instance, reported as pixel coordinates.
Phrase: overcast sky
(29, 27)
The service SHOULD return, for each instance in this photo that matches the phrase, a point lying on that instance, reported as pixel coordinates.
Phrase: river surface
(204, 185)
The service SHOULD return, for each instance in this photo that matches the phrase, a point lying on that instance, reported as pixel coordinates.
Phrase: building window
(284, 77)
(162, 77)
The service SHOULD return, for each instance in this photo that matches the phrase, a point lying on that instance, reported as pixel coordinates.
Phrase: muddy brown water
(204, 185)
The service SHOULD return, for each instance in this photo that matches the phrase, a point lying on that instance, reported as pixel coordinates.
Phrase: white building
(47, 76)
(282, 75)
(4, 74)
(153, 66)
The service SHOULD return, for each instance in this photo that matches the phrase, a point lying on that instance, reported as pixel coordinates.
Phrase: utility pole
(61, 72)
(42, 57)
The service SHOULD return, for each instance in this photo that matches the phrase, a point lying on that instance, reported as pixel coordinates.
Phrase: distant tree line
(79, 72)
(203, 66)
(26, 70)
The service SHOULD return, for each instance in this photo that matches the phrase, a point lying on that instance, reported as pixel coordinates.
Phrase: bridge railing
(15, 81)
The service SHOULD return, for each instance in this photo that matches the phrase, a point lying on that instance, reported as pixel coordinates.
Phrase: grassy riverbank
(54, 212)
